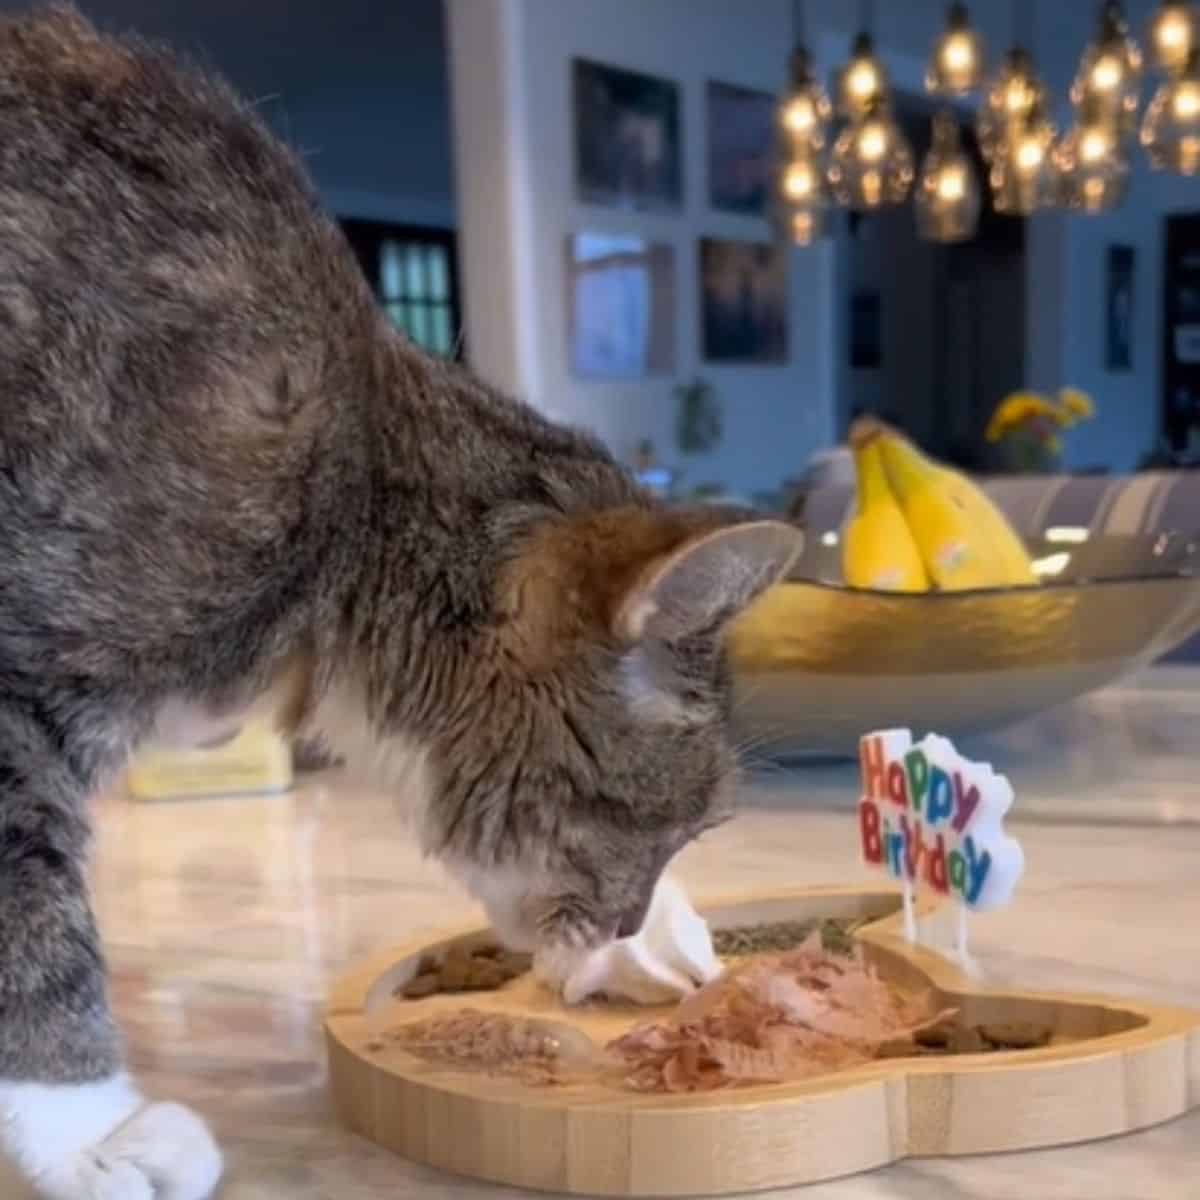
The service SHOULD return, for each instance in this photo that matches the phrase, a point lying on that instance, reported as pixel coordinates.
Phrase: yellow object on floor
(257, 760)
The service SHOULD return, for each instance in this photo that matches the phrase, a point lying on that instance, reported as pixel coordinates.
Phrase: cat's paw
(103, 1142)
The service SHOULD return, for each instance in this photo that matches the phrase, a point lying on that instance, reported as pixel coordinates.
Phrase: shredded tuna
(771, 1019)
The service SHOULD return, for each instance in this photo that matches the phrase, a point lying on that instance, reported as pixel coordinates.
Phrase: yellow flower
(1014, 410)
(1078, 404)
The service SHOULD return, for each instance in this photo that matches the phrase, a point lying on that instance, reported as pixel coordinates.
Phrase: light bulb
(1021, 179)
(1172, 34)
(956, 65)
(1109, 79)
(1094, 145)
(862, 82)
(799, 115)
(952, 183)
(1171, 128)
(872, 163)
(806, 110)
(1013, 94)
(1030, 154)
(948, 200)
(800, 198)
(1018, 98)
(1107, 73)
(1187, 101)
(872, 144)
(800, 180)
(1091, 173)
(958, 54)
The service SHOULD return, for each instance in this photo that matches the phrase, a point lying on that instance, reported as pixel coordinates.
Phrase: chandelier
(801, 199)
(867, 163)
(948, 199)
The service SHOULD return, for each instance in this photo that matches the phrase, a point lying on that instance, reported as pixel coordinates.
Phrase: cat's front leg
(72, 1122)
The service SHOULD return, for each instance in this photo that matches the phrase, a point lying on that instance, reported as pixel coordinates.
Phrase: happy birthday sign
(933, 819)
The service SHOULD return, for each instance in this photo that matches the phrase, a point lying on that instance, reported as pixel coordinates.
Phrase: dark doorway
(951, 318)
(1181, 329)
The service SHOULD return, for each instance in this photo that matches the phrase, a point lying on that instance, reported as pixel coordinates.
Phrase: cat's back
(184, 336)
(152, 229)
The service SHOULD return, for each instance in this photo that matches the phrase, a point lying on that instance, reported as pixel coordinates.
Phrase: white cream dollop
(670, 957)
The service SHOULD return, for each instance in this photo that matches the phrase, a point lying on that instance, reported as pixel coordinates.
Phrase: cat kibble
(482, 969)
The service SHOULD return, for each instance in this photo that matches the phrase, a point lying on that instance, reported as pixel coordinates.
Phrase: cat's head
(597, 743)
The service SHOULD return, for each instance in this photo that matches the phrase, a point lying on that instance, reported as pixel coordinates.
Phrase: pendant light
(1172, 35)
(801, 199)
(1021, 174)
(1109, 81)
(1090, 168)
(958, 62)
(1171, 129)
(872, 164)
(948, 198)
(1015, 91)
(863, 81)
(800, 194)
(805, 112)
(1013, 95)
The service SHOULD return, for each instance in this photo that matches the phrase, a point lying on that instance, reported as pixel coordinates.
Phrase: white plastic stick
(910, 919)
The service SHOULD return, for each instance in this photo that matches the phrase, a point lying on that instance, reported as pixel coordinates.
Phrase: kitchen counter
(227, 919)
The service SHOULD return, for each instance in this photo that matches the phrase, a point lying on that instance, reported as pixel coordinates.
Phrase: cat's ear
(704, 582)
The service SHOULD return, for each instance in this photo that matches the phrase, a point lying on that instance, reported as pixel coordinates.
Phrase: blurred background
(579, 198)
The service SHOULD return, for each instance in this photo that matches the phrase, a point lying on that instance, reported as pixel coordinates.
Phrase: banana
(965, 542)
(879, 552)
(991, 526)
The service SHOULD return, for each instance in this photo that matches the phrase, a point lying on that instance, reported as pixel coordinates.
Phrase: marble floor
(227, 919)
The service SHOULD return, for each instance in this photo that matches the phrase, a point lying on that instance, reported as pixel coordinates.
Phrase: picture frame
(628, 151)
(1119, 307)
(741, 139)
(621, 306)
(744, 301)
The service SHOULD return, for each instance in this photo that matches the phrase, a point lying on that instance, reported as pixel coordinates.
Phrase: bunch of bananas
(920, 526)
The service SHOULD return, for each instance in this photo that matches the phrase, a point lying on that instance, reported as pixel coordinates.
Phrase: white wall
(775, 416)
(359, 86)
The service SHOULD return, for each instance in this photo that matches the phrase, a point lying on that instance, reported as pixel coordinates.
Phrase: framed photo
(744, 301)
(621, 293)
(741, 136)
(1118, 308)
(866, 331)
(627, 138)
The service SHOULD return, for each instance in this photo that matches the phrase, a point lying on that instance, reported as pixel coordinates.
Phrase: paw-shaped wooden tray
(1113, 1066)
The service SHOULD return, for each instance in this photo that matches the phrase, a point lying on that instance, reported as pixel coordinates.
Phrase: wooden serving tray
(1114, 1066)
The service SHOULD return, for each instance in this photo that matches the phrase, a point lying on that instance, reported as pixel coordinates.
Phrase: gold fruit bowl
(816, 664)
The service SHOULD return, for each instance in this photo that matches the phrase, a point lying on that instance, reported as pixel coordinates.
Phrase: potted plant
(1027, 427)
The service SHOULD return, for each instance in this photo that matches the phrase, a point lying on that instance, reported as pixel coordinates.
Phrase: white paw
(103, 1142)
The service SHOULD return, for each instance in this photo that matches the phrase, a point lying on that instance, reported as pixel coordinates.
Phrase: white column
(493, 185)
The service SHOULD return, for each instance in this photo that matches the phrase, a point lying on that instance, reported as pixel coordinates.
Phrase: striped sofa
(1146, 503)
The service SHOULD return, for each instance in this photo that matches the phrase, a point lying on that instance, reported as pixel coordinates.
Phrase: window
(412, 270)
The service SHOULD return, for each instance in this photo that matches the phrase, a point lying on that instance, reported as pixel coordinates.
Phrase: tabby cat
(226, 482)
